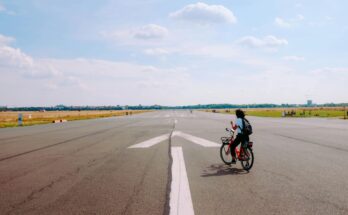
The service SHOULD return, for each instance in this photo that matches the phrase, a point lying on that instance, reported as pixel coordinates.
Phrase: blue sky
(172, 52)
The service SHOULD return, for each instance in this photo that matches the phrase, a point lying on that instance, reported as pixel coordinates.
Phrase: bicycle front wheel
(225, 154)
(248, 160)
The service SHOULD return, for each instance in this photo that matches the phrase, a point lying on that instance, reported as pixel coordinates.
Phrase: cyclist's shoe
(234, 161)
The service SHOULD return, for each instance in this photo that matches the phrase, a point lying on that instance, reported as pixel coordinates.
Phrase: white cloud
(5, 40)
(283, 23)
(93, 81)
(96, 82)
(13, 57)
(204, 13)
(276, 85)
(332, 71)
(111, 82)
(145, 33)
(3, 9)
(293, 58)
(150, 31)
(268, 42)
(14, 60)
(157, 51)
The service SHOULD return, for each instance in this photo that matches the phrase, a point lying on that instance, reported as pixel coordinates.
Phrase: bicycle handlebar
(230, 130)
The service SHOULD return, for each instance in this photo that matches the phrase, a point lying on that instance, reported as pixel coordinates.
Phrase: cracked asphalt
(85, 167)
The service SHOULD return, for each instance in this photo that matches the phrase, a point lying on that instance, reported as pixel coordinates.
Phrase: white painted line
(175, 121)
(180, 195)
(167, 115)
(197, 140)
(150, 142)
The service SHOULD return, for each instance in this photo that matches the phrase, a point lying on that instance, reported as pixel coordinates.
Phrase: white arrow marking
(197, 140)
(180, 195)
(191, 138)
(150, 142)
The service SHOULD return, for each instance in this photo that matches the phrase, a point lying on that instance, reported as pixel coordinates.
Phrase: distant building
(309, 103)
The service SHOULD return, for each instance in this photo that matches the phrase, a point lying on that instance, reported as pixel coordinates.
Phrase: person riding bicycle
(241, 137)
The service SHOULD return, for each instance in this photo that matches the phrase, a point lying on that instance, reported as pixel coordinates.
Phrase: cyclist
(239, 126)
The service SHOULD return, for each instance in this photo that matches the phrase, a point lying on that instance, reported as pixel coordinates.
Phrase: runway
(168, 162)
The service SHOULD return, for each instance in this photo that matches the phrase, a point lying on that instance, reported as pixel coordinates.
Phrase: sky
(112, 52)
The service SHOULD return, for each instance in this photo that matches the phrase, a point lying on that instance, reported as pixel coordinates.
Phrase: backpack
(247, 128)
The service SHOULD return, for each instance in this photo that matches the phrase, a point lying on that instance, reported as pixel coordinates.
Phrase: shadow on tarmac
(222, 170)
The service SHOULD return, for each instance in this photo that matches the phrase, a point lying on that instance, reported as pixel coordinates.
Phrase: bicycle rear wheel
(248, 162)
(225, 154)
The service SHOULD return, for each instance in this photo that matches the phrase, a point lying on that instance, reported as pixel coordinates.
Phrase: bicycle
(244, 154)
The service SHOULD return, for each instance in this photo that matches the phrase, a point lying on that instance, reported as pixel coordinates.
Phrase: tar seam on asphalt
(42, 132)
(55, 144)
(137, 188)
(52, 161)
(166, 210)
(312, 142)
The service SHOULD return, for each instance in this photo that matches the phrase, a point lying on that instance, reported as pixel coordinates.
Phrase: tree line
(159, 107)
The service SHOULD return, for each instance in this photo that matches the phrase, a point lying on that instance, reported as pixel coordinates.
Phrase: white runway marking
(150, 142)
(191, 138)
(180, 195)
(197, 140)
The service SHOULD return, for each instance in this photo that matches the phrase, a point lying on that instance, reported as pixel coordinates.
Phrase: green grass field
(299, 112)
(10, 118)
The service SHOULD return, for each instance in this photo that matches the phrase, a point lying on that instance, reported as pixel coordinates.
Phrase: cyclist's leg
(235, 143)
(246, 140)
(244, 144)
(243, 141)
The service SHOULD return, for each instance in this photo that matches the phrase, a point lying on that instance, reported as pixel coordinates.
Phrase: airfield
(168, 162)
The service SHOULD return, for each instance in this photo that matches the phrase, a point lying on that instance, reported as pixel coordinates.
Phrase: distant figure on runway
(242, 126)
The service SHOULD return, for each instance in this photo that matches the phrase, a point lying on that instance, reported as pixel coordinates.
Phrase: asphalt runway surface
(103, 166)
